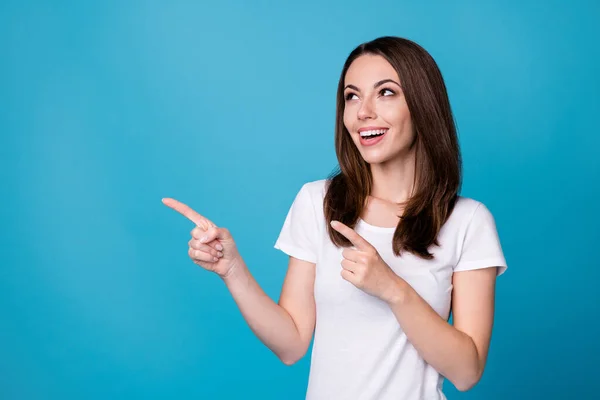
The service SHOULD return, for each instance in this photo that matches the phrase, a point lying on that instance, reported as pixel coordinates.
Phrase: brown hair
(438, 161)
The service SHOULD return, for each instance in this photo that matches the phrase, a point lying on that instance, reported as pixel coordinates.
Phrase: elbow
(465, 386)
(468, 381)
(292, 357)
(470, 373)
(294, 351)
(290, 360)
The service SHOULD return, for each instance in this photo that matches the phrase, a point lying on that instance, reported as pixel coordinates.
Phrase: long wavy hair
(438, 164)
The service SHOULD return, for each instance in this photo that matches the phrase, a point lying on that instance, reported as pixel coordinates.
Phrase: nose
(366, 110)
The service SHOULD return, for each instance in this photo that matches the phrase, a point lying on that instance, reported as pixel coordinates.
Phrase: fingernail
(220, 254)
(219, 247)
(203, 239)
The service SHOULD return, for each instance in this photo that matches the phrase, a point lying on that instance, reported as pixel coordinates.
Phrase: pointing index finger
(188, 212)
(358, 241)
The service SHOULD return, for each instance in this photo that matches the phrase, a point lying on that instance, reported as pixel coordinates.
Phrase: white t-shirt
(360, 350)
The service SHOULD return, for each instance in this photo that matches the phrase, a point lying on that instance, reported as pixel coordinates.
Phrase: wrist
(397, 291)
(235, 271)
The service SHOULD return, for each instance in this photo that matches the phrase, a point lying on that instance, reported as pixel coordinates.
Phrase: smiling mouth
(372, 134)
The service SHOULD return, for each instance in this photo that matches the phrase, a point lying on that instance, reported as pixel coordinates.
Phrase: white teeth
(374, 132)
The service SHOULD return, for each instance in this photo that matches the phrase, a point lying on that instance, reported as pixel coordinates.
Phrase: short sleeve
(299, 234)
(481, 247)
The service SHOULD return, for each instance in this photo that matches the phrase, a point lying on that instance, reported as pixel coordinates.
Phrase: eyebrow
(381, 82)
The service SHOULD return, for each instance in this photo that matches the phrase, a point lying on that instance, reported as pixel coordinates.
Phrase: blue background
(107, 107)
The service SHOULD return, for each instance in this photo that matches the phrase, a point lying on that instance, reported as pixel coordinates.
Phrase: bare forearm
(270, 322)
(451, 352)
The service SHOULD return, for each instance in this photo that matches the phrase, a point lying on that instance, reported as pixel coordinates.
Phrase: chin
(375, 160)
(374, 157)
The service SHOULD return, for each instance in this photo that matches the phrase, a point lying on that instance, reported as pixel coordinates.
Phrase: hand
(365, 268)
(211, 247)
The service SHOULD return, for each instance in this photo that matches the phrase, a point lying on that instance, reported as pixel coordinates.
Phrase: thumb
(213, 233)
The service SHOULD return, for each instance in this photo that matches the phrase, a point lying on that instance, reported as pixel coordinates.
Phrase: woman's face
(375, 112)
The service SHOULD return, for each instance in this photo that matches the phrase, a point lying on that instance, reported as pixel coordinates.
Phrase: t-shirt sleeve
(299, 234)
(481, 247)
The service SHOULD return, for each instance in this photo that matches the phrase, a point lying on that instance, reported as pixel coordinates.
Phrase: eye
(349, 96)
(387, 90)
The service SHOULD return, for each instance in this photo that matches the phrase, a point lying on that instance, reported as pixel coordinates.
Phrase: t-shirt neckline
(361, 222)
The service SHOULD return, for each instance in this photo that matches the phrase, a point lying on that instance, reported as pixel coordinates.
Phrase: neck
(393, 181)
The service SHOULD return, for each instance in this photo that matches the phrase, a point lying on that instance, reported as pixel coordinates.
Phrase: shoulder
(473, 220)
(309, 197)
(467, 208)
(315, 190)
(477, 237)
(316, 187)
(467, 213)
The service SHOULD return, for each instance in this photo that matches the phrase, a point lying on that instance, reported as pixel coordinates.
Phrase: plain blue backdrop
(107, 107)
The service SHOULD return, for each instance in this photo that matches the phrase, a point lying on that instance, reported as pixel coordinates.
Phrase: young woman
(380, 252)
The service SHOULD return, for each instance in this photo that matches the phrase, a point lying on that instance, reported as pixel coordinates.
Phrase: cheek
(347, 112)
(407, 124)
(401, 120)
(396, 114)
(348, 120)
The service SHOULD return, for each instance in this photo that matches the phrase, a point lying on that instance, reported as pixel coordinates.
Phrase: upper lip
(371, 128)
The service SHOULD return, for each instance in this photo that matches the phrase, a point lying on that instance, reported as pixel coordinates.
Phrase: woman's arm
(457, 352)
(285, 328)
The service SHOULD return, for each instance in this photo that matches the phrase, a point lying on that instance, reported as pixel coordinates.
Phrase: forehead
(368, 69)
